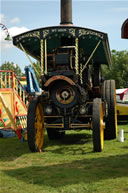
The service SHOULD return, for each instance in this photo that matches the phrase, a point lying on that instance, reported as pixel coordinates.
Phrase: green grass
(67, 166)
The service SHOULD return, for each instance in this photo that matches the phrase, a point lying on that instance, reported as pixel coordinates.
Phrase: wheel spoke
(39, 130)
(35, 126)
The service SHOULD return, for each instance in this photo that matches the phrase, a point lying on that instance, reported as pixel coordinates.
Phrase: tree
(119, 69)
(11, 66)
(37, 70)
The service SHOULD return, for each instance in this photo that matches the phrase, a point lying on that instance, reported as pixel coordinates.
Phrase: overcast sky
(20, 16)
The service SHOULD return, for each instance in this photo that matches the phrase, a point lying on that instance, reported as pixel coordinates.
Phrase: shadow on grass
(72, 139)
(123, 122)
(72, 173)
(85, 171)
(70, 144)
(12, 148)
(125, 147)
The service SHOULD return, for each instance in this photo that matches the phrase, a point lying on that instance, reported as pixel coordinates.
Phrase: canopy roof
(121, 91)
(124, 29)
(88, 39)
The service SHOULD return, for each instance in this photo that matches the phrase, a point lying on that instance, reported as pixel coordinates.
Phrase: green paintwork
(88, 40)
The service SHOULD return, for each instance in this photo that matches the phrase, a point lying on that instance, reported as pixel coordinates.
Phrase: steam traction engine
(74, 94)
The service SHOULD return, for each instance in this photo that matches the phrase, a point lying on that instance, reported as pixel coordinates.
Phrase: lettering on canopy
(89, 32)
(35, 34)
(47, 32)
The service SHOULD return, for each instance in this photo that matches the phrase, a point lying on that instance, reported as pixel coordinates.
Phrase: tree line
(117, 71)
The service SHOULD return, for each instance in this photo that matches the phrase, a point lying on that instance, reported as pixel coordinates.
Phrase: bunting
(4, 28)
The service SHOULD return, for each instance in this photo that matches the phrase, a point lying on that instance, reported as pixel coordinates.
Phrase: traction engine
(74, 95)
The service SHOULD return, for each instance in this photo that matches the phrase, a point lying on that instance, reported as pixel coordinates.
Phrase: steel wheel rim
(115, 114)
(39, 126)
(101, 128)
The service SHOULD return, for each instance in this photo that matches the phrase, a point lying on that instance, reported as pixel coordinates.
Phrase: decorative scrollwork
(89, 32)
(72, 31)
(45, 33)
(29, 35)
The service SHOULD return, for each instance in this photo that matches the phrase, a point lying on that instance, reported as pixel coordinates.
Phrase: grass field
(67, 166)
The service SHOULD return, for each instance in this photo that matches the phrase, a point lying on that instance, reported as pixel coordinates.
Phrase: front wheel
(98, 129)
(35, 126)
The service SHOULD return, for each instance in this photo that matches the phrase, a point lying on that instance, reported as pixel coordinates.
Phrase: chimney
(66, 12)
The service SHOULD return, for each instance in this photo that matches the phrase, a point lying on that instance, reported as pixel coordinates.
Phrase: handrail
(8, 80)
(20, 90)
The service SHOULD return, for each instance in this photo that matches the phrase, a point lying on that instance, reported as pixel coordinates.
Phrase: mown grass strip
(67, 166)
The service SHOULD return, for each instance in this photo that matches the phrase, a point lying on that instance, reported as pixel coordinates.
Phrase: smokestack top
(66, 12)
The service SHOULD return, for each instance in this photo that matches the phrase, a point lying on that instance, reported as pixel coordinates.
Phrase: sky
(21, 16)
